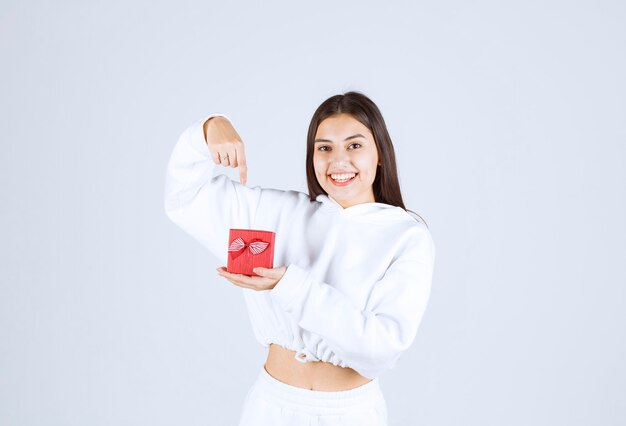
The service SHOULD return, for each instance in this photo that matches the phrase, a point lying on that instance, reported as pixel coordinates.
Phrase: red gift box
(249, 248)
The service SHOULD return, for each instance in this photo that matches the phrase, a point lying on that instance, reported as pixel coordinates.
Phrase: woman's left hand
(267, 280)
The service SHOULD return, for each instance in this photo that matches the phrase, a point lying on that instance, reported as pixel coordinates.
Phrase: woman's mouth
(342, 179)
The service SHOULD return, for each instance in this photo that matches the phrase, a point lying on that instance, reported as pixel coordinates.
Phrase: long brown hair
(386, 185)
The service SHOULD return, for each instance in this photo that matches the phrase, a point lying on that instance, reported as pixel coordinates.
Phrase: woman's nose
(340, 157)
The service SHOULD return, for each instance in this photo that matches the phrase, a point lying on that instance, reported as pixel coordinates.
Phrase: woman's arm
(370, 340)
(204, 206)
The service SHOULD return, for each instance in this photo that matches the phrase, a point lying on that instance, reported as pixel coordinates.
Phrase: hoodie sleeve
(204, 206)
(369, 340)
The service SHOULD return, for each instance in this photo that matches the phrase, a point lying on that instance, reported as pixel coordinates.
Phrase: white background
(508, 119)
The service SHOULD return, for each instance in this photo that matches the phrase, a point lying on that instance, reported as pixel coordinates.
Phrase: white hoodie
(358, 279)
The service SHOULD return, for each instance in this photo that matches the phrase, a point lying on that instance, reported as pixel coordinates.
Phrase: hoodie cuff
(292, 289)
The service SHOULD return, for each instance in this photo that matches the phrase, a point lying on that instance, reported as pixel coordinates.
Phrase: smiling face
(345, 160)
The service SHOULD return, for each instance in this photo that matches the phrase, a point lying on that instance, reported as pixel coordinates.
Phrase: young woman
(354, 266)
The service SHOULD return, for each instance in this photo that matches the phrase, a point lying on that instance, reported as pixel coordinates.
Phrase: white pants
(271, 402)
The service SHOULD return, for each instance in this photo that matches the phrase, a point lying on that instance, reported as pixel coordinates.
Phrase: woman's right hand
(225, 145)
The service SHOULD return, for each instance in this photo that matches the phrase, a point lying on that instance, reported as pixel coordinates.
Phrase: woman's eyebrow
(358, 135)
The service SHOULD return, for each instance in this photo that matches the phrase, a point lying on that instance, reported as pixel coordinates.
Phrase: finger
(253, 281)
(244, 284)
(261, 271)
(243, 167)
(223, 272)
(274, 273)
(225, 159)
(244, 280)
(230, 277)
(216, 157)
(232, 157)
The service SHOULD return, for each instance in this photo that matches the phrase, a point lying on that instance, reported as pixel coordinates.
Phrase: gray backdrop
(508, 119)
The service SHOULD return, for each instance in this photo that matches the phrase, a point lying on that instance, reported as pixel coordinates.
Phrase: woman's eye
(326, 147)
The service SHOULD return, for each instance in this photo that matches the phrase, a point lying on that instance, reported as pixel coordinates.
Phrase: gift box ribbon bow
(238, 246)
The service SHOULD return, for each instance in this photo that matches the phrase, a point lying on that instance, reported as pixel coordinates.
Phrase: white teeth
(343, 176)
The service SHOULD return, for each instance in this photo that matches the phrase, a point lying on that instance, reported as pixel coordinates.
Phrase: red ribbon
(238, 246)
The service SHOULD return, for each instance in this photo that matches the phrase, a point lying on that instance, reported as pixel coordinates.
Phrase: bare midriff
(282, 365)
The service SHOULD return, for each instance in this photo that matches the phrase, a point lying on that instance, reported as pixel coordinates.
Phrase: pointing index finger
(243, 167)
